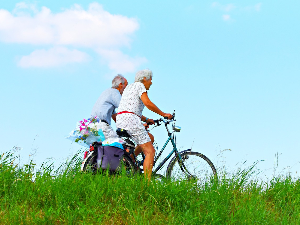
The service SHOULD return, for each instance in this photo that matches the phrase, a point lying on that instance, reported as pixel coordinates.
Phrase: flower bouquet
(86, 132)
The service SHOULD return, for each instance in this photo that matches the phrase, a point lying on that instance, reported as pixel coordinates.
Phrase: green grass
(66, 196)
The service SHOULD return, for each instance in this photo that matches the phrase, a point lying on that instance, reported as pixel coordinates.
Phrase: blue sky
(230, 69)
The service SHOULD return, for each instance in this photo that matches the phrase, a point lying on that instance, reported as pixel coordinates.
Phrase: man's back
(106, 104)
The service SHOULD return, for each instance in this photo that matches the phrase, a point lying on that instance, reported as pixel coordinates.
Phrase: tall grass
(66, 196)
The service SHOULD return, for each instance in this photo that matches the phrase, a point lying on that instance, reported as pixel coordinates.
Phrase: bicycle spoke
(126, 165)
(193, 166)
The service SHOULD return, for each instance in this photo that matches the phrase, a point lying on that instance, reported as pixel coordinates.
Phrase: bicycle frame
(134, 165)
(172, 139)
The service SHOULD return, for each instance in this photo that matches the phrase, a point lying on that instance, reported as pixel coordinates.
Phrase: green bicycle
(185, 164)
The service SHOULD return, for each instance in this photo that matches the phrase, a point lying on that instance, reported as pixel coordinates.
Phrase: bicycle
(185, 164)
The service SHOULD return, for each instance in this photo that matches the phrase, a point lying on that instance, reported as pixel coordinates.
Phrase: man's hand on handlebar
(150, 121)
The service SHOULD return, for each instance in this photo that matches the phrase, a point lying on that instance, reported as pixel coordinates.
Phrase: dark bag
(109, 157)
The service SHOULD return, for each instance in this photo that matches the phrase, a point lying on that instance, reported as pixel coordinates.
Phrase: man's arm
(115, 101)
(114, 116)
(147, 120)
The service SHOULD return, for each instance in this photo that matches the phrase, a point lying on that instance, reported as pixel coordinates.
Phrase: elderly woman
(130, 116)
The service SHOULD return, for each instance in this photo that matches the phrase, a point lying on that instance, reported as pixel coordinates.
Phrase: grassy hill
(66, 196)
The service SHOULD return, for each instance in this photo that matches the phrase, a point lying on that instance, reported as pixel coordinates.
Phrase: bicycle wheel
(158, 177)
(194, 165)
(126, 165)
(90, 163)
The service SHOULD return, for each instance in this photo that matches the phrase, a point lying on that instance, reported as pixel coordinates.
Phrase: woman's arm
(150, 105)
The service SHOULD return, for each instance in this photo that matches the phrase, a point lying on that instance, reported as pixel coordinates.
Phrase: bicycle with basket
(186, 164)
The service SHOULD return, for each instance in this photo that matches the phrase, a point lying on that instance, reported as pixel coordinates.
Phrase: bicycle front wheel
(191, 165)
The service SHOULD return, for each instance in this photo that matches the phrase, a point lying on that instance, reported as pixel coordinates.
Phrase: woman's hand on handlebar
(168, 116)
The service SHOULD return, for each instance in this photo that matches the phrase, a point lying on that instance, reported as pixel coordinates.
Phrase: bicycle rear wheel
(126, 165)
(90, 163)
(193, 165)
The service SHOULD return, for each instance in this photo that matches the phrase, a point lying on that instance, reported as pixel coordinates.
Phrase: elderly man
(130, 116)
(106, 104)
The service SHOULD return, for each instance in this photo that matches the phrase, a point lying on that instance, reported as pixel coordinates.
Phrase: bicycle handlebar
(157, 122)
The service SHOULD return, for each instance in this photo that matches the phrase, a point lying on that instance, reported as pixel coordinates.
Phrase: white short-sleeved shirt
(131, 102)
(131, 98)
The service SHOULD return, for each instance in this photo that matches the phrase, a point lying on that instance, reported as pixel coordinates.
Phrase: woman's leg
(149, 152)
(151, 137)
(139, 149)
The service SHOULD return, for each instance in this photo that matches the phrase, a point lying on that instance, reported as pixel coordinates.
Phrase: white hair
(141, 74)
(119, 79)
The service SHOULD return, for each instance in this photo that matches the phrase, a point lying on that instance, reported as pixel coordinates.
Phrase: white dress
(131, 122)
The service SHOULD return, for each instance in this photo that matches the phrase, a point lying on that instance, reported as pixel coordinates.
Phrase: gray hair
(119, 79)
(141, 74)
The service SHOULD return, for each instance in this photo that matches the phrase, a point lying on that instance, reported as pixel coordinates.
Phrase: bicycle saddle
(122, 133)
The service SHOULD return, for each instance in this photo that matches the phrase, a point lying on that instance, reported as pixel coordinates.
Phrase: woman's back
(131, 99)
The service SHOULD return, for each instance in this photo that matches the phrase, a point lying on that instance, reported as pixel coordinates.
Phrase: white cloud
(119, 62)
(231, 8)
(226, 17)
(226, 8)
(252, 8)
(76, 27)
(215, 4)
(257, 7)
(21, 8)
(56, 56)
